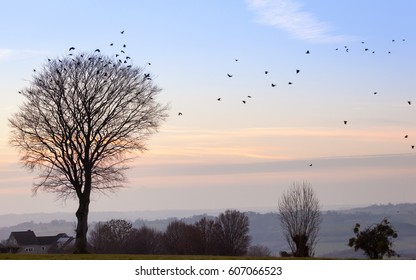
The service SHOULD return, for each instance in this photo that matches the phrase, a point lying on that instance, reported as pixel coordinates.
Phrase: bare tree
(300, 217)
(232, 233)
(84, 117)
(259, 251)
(145, 240)
(208, 231)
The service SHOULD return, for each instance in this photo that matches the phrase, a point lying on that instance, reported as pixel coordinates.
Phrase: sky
(230, 154)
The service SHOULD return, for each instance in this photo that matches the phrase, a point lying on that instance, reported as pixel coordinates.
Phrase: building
(26, 242)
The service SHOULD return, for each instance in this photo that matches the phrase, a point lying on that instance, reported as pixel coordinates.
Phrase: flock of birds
(297, 71)
(121, 57)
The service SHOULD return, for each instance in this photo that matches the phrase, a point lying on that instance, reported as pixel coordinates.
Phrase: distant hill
(265, 228)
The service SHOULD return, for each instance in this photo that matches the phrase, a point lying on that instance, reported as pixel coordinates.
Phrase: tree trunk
(81, 243)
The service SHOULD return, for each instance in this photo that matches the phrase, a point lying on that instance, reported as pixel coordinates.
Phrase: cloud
(13, 54)
(288, 15)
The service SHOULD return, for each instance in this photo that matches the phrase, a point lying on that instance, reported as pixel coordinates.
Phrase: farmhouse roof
(24, 237)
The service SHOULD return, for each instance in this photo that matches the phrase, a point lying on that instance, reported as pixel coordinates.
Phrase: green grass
(125, 257)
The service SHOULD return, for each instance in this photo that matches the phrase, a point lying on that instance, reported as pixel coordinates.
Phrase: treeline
(226, 234)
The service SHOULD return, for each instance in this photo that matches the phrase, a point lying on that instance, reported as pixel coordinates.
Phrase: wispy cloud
(288, 15)
(13, 54)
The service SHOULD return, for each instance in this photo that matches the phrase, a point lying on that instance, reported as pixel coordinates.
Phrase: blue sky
(230, 154)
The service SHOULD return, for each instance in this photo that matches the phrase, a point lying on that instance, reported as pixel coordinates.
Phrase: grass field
(125, 257)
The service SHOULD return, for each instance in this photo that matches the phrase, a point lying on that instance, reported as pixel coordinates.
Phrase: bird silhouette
(124, 45)
(149, 63)
(179, 114)
(111, 44)
(122, 32)
(219, 98)
(310, 164)
(297, 71)
(244, 101)
(266, 72)
(410, 102)
(273, 85)
(413, 146)
(122, 51)
(248, 96)
(71, 48)
(307, 52)
(236, 59)
(375, 92)
(229, 75)
(97, 50)
(406, 136)
(289, 83)
(345, 122)
(128, 57)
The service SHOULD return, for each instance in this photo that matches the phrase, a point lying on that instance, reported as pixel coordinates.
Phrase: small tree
(112, 236)
(208, 231)
(300, 217)
(232, 233)
(145, 240)
(259, 251)
(376, 240)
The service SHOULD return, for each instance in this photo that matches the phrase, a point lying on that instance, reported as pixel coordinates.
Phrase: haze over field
(345, 122)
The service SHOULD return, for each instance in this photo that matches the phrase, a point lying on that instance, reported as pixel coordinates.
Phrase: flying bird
(406, 136)
(310, 164)
(345, 122)
(266, 72)
(111, 44)
(375, 92)
(244, 101)
(97, 50)
(122, 32)
(297, 71)
(229, 75)
(273, 85)
(307, 52)
(219, 98)
(413, 146)
(236, 59)
(248, 96)
(289, 83)
(124, 45)
(71, 48)
(410, 102)
(179, 114)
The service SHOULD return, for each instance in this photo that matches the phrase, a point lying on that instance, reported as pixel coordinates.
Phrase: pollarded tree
(376, 241)
(300, 217)
(84, 117)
